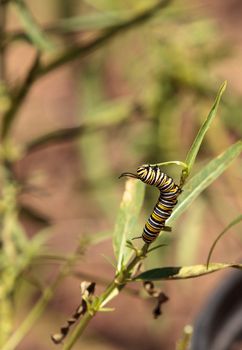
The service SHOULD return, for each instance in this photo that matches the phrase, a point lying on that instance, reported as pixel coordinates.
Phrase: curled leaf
(182, 272)
(87, 290)
(160, 297)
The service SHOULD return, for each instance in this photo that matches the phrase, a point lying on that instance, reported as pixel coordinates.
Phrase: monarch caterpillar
(169, 191)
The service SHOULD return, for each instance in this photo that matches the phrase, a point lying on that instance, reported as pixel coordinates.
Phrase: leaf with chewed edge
(127, 218)
(182, 272)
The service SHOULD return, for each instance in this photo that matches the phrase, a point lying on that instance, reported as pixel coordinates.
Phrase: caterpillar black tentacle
(169, 191)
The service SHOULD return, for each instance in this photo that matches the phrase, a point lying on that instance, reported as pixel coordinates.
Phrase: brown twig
(70, 134)
(108, 34)
(19, 97)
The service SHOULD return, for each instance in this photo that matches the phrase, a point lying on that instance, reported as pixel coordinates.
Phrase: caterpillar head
(142, 172)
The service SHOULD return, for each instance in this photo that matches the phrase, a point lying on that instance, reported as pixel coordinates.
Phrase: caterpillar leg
(138, 251)
(136, 237)
(167, 228)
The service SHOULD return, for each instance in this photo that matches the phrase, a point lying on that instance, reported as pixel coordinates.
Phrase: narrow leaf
(191, 156)
(232, 223)
(127, 217)
(33, 30)
(190, 232)
(182, 272)
(204, 178)
(91, 21)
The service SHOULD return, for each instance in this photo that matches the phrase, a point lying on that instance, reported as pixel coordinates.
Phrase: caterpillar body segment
(169, 191)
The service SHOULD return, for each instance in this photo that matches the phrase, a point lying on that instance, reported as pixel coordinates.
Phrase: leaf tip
(223, 86)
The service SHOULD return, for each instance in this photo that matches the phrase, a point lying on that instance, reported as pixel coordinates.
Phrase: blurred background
(138, 97)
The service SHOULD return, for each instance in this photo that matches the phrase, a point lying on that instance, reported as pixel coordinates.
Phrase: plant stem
(117, 284)
(19, 98)
(38, 309)
(73, 133)
(80, 51)
(78, 330)
(32, 28)
(26, 325)
(75, 24)
(83, 50)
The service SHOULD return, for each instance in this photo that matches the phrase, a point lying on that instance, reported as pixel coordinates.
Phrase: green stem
(6, 318)
(33, 29)
(83, 50)
(78, 330)
(38, 309)
(119, 282)
(26, 325)
(75, 24)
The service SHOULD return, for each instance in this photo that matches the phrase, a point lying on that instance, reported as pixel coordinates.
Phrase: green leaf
(192, 154)
(231, 224)
(190, 232)
(204, 178)
(33, 30)
(127, 218)
(98, 20)
(182, 272)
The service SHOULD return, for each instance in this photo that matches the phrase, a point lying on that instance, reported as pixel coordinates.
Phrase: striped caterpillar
(169, 191)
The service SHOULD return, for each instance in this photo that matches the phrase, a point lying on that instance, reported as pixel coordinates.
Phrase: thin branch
(27, 324)
(108, 34)
(80, 51)
(19, 97)
(119, 282)
(39, 307)
(73, 133)
(76, 24)
(56, 136)
(33, 30)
